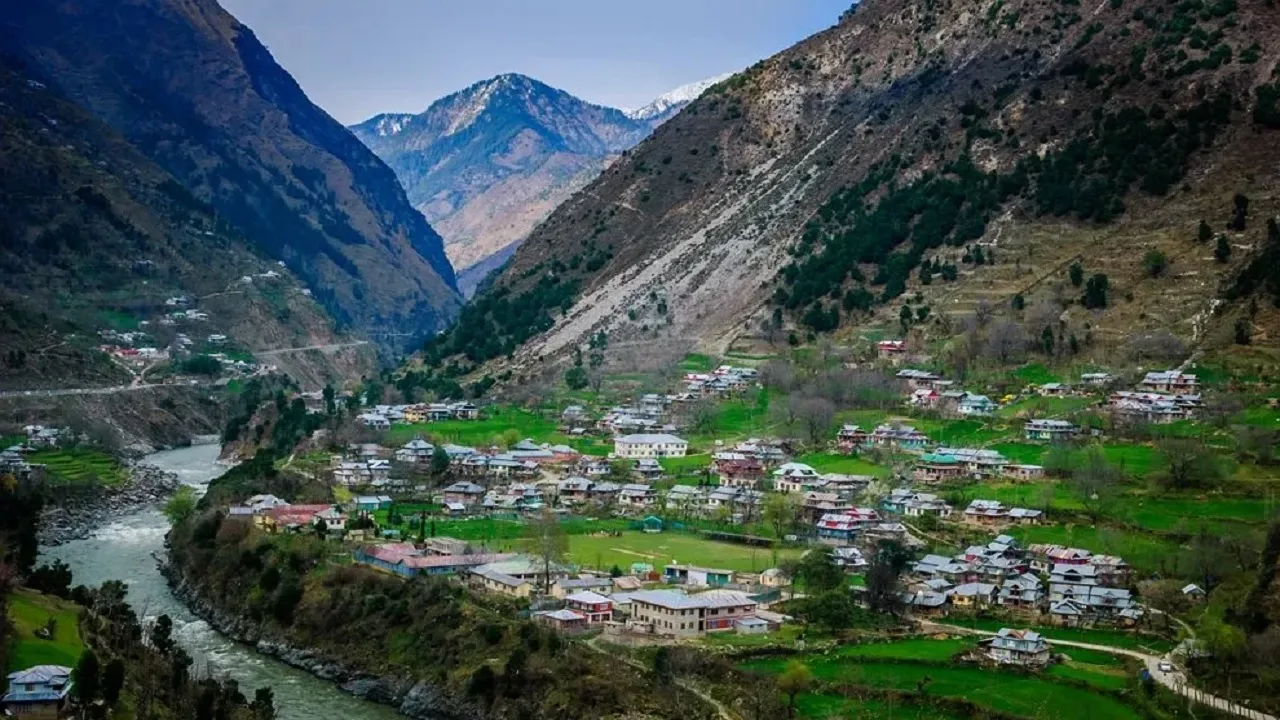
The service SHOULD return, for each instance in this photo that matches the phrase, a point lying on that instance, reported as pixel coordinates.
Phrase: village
(665, 510)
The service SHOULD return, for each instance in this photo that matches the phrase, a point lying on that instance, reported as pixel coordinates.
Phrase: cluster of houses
(382, 417)
(946, 464)
(930, 391)
(1066, 586)
(724, 380)
(1162, 397)
(13, 459)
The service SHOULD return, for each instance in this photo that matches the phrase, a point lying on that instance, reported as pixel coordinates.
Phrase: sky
(357, 58)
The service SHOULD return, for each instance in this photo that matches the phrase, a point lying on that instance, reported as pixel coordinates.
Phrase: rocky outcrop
(75, 515)
(412, 698)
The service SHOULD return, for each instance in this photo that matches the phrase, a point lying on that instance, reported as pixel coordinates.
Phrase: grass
(910, 649)
(1135, 460)
(821, 705)
(661, 549)
(1113, 638)
(843, 464)
(1103, 678)
(687, 465)
(961, 433)
(697, 362)
(1026, 696)
(1045, 407)
(496, 429)
(29, 611)
(78, 466)
(1036, 374)
(1147, 553)
(1260, 416)
(118, 321)
(786, 635)
(1022, 453)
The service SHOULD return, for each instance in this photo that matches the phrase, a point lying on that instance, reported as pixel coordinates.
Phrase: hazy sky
(356, 58)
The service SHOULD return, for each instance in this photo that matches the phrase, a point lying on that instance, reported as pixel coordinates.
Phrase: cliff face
(196, 92)
(821, 180)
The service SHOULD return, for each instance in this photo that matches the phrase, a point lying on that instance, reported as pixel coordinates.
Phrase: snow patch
(682, 95)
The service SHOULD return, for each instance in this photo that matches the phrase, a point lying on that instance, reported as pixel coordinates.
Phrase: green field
(696, 362)
(503, 425)
(29, 611)
(962, 433)
(1113, 638)
(1022, 453)
(661, 549)
(687, 465)
(79, 466)
(843, 464)
(1046, 407)
(1147, 553)
(1026, 696)
(910, 649)
(824, 706)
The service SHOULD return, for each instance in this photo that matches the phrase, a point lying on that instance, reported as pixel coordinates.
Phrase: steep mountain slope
(488, 163)
(95, 237)
(196, 91)
(811, 188)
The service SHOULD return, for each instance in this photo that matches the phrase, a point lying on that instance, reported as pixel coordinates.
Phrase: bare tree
(778, 375)
(815, 416)
(1160, 345)
(1095, 482)
(1006, 341)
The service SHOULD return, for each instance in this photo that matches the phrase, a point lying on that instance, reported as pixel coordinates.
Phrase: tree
(1239, 215)
(1046, 340)
(576, 378)
(1187, 464)
(1006, 341)
(795, 679)
(439, 461)
(1076, 273)
(162, 634)
(1205, 233)
(330, 400)
(1243, 331)
(1155, 262)
(88, 681)
(263, 705)
(1222, 251)
(1094, 482)
(815, 415)
(1095, 292)
(112, 680)
(1018, 302)
(548, 542)
(819, 570)
(884, 592)
(181, 505)
(780, 512)
(662, 665)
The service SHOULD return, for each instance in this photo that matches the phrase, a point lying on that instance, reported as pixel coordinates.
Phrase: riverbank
(77, 515)
(414, 699)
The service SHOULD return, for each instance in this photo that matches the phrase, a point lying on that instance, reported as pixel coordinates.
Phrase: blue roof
(50, 683)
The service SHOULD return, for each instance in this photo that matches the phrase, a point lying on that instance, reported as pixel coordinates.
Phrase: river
(122, 551)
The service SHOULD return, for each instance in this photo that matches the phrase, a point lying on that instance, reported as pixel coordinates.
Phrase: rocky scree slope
(195, 91)
(95, 236)
(487, 163)
(812, 187)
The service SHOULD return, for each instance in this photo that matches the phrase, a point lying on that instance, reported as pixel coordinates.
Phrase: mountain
(95, 238)
(665, 106)
(198, 94)
(918, 162)
(486, 164)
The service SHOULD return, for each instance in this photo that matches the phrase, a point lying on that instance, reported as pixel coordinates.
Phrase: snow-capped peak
(392, 123)
(682, 95)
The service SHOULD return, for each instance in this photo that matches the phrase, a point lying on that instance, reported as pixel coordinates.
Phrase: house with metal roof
(39, 691)
(1018, 647)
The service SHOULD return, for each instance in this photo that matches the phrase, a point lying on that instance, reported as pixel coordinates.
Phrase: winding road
(1173, 679)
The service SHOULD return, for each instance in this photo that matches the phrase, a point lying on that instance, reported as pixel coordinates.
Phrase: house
(492, 580)
(935, 468)
(740, 471)
(650, 445)
(941, 567)
(697, 576)
(370, 503)
(817, 505)
(925, 602)
(417, 451)
(917, 379)
(374, 420)
(891, 350)
(1024, 473)
(993, 512)
(1170, 381)
(464, 411)
(574, 489)
(973, 594)
(899, 436)
(849, 558)
(1053, 389)
(573, 415)
(648, 469)
(1018, 647)
(974, 405)
(1193, 593)
(926, 504)
(565, 620)
(595, 607)
(927, 398)
(792, 474)
(407, 561)
(1021, 591)
(637, 495)
(1096, 379)
(464, 493)
(673, 613)
(1055, 431)
(40, 691)
(851, 437)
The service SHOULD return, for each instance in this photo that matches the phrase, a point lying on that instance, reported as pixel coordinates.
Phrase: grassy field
(78, 466)
(698, 363)
(1045, 407)
(816, 705)
(962, 433)
(29, 611)
(910, 649)
(1022, 453)
(661, 549)
(1026, 696)
(497, 429)
(843, 464)
(1113, 638)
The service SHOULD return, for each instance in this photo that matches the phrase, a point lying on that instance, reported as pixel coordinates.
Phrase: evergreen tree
(1046, 340)
(1076, 273)
(1205, 234)
(1018, 302)
(1244, 333)
(88, 681)
(1095, 292)
(112, 680)
(1222, 252)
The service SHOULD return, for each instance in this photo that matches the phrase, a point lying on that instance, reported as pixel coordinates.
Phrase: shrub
(1155, 263)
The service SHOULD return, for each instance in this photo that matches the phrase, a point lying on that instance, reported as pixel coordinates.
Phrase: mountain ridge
(229, 123)
(486, 163)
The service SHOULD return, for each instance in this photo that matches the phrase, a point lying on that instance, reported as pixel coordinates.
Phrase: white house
(650, 445)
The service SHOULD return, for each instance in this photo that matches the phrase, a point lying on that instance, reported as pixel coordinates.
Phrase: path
(721, 709)
(332, 347)
(1174, 680)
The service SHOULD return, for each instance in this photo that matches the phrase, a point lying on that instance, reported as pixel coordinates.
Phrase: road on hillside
(334, 347)
(1174, 680)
